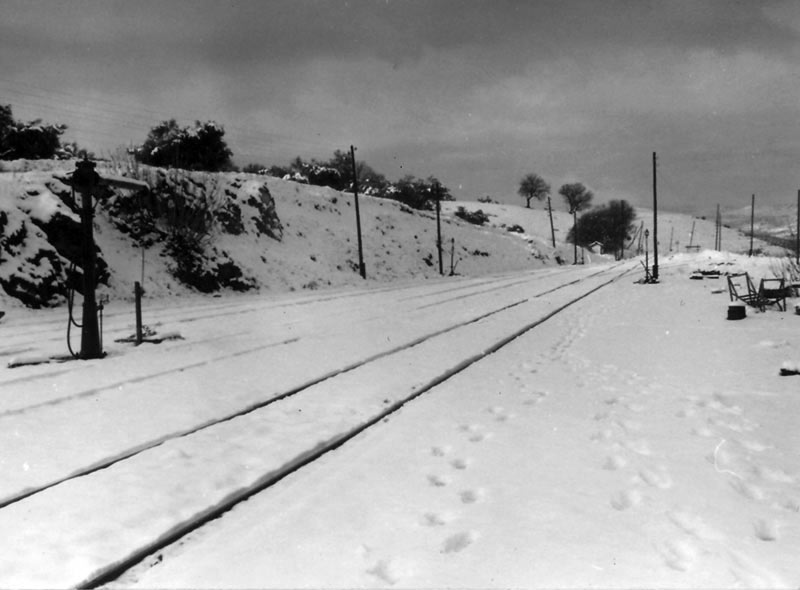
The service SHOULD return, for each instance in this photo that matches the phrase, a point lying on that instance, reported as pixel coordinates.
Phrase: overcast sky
(475, 93)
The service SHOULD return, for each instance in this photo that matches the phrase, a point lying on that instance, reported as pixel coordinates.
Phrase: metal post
(362, 269)
(452, 256)
(85, 179)
(752, 222)
(655, 222)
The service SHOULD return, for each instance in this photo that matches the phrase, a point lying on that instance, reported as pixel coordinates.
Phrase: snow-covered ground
(564, 427)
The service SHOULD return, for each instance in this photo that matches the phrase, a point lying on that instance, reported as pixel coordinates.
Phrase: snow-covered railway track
(42, 407)
(406, 368)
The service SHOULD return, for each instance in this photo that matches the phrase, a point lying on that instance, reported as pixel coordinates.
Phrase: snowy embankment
(261, 233)
(636, 438)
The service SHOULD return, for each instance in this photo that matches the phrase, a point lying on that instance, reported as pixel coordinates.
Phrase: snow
(563, 428)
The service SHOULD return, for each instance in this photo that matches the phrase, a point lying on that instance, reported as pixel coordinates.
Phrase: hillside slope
(266, 234)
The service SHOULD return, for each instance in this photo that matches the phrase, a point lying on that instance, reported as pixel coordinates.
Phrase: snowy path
(196, 429)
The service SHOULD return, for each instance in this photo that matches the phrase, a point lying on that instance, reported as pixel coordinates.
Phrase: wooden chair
(741, 287)
(773, 292)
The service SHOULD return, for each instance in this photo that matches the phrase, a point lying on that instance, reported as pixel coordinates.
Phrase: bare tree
(533, 186)
(578, 198)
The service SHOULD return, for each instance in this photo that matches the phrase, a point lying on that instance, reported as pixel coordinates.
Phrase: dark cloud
(477, 92)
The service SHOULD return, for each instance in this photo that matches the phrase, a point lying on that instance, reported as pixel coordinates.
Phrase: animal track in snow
(459, 542)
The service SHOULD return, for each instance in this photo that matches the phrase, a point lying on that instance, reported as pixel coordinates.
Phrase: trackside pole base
(137, 294)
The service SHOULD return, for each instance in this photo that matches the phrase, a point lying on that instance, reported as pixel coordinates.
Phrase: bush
(199, 148)
(30, 141)
(477, 217)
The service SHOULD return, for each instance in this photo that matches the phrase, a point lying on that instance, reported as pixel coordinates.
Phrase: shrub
(476, 217)
(199, 148)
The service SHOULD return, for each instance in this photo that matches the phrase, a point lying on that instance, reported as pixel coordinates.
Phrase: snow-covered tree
(201, 147)
(33, 140)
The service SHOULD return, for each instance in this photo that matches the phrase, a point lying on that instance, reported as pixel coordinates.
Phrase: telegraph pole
(361, 268)
(797, 229)
(552, 229)
(752, 222)
(438, 189)
(655, 222)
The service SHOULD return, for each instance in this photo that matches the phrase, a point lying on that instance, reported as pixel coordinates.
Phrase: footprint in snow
(434, 519)
(500, 414)
(748, 490)
(459, 542)
(679, 555)
(460, 464)
(773, 474)
(601, 435)
(629, 425)
(693, 525)
(626, 499)
(480, 437)
(440, 451)
(703, 432)
(614, 462)
(472, 496)
(754, 446)
(766, 530)
(385, 570)
(656, 479)
(438, 481)
(639, 446)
